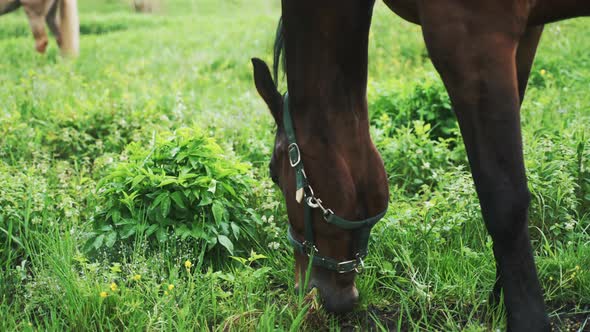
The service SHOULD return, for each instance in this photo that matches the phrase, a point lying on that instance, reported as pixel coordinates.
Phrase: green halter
(305, 193)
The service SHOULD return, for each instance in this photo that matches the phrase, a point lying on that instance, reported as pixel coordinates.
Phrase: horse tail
(69, 28)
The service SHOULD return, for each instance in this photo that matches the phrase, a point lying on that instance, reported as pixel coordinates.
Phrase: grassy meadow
(134, 189)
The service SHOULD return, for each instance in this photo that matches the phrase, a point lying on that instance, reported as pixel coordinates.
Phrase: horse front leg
(525, 55)
(36, 11)
(52, 22)
(475, 54)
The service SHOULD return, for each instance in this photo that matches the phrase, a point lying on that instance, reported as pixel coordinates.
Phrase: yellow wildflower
(577, 267)
(103, 294)
(188, 264)
(136, 277)
(170, 287)
(114, 286)
(165, 292)
(543, 72)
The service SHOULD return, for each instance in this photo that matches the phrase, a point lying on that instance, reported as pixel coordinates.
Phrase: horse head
(324, 161)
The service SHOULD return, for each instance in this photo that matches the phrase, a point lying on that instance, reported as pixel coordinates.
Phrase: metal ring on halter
(308, 189)
(312, 250)
(314, 202)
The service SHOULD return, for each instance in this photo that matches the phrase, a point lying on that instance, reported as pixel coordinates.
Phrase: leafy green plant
(30, 202)
(583, 170)
(185, 185)
(558, 181)
(35, 199)
(412, 158)
(21, 213)
(425, 99)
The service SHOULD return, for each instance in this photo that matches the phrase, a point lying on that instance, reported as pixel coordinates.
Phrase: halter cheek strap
(304, 193)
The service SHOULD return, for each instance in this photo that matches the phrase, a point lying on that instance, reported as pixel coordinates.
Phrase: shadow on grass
(564, 317)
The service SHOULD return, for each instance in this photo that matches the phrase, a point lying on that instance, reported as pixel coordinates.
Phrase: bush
(42, 115)
(92, 134)
(425, 100)
(22, 202)
(412, 158)
(184, 186)
(558, 181)
(35, 199)
(438, 215)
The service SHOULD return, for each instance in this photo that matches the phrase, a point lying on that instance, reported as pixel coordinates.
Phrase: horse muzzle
(41, 44)
(339, 300)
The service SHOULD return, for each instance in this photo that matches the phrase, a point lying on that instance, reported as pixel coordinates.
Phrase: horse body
(483, 51)
(61, 16)
(6, 6)
(537, 12)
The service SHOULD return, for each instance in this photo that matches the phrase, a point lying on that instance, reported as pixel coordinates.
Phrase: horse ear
(266, 88)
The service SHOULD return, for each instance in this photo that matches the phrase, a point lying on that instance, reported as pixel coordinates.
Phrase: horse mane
(278, 49)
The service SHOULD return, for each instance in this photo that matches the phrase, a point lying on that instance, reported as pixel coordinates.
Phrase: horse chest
(406, 9)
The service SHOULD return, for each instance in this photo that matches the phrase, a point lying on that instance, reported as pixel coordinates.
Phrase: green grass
(63, 125)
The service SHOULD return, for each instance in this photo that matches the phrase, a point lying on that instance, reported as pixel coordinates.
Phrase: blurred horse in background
(61, 16)
(146, 6)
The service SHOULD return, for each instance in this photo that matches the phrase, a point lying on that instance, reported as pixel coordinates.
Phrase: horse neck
(326, 52)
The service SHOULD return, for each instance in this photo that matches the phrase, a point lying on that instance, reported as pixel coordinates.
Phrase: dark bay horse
(483, 50)
(61, 16)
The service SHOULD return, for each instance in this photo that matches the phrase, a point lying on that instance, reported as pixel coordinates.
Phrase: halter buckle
(310, 248)
(360, 265)
(357, 265)
(294, 159)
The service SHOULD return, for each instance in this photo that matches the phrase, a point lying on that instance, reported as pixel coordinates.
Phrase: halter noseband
(305, 193)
